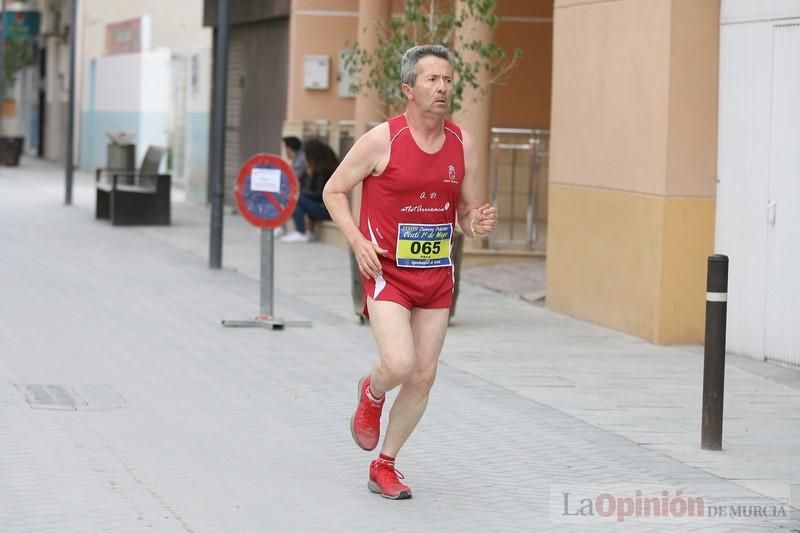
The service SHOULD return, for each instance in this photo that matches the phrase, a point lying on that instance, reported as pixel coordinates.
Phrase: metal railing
(518, 173)
(518, 187)
(339, 134)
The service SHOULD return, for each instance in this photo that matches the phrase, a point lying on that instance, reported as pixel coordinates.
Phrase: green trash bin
(121, 157)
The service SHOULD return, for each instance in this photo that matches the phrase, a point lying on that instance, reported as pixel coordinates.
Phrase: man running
(419, 177)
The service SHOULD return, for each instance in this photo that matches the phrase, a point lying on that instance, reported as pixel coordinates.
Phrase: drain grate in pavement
(94, 397)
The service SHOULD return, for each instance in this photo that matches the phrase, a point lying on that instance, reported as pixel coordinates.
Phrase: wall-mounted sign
(346, 80)
(316, 72)
(22, 23)
(129, 36)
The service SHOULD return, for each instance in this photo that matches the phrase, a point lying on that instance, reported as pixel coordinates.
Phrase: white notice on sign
(265, 180)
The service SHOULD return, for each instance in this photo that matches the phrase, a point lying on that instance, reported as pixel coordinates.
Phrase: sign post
(266, 194)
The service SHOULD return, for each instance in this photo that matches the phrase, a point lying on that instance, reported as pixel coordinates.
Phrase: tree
(18, 55)
(430, 22)
(18, 50)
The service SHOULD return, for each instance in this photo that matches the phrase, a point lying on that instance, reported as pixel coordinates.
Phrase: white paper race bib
(423, 245)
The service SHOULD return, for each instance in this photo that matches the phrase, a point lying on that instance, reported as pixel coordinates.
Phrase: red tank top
(416, 197)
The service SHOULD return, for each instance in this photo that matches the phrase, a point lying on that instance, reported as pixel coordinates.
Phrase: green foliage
(18, 50)
(18, 55)
(425, 22)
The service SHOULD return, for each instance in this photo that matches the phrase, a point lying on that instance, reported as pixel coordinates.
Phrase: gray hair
(408, 66)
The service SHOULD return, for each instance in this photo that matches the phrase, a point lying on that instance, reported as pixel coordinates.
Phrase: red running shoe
(365, 425)
(384, 479)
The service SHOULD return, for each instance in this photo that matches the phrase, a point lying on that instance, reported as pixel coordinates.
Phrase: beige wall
(177, 25)
(694, 78)
(319, 27)
(327, 26)
(633, 163)
(610, 94)
(688, 240)
(602, 267)
(630, 261)
(340, 6)
(522, 100)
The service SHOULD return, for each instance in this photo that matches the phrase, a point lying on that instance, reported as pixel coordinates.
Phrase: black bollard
(714, 362)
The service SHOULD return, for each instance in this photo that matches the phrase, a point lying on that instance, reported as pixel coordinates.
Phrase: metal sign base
(265, 319)
(266, 323)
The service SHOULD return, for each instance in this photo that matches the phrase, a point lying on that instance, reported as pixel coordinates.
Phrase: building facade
(633, 164)
(675, 134)
(644, 92)
(257, 80)
(145, 70)
(758, 191)
(141, 67)
(298, 33)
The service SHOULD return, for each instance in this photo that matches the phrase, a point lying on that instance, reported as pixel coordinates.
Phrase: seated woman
(321, 161)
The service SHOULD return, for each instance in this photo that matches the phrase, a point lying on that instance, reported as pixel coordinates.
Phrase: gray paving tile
(246, 430)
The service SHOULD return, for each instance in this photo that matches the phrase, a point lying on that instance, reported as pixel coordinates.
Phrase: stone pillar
(474, 115)
(371, 14)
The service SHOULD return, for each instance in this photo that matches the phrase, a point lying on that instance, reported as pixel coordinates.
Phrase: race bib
(423, 245)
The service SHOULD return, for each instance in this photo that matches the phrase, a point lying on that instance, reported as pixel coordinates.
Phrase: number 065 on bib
(423, 245)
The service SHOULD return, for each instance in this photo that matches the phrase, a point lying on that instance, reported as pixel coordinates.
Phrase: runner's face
(433, 89)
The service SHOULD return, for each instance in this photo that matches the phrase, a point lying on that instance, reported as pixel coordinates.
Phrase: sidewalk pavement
(125, 406)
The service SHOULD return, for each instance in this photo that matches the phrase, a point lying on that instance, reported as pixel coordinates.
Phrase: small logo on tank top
(451, 175)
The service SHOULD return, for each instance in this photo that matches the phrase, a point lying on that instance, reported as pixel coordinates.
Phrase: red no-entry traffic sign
(266, 191)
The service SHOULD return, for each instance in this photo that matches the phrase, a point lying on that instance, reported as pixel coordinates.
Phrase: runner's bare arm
(475, 217)
(369, 155)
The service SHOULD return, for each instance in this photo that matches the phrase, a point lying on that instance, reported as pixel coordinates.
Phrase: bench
(326, 231)
(132, 198)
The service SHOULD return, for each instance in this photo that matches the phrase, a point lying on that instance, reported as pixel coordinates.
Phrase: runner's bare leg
(391, 325)
(429, 327)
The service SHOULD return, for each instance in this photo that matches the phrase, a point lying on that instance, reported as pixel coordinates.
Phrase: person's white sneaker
(277, 232)
(296, 236)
